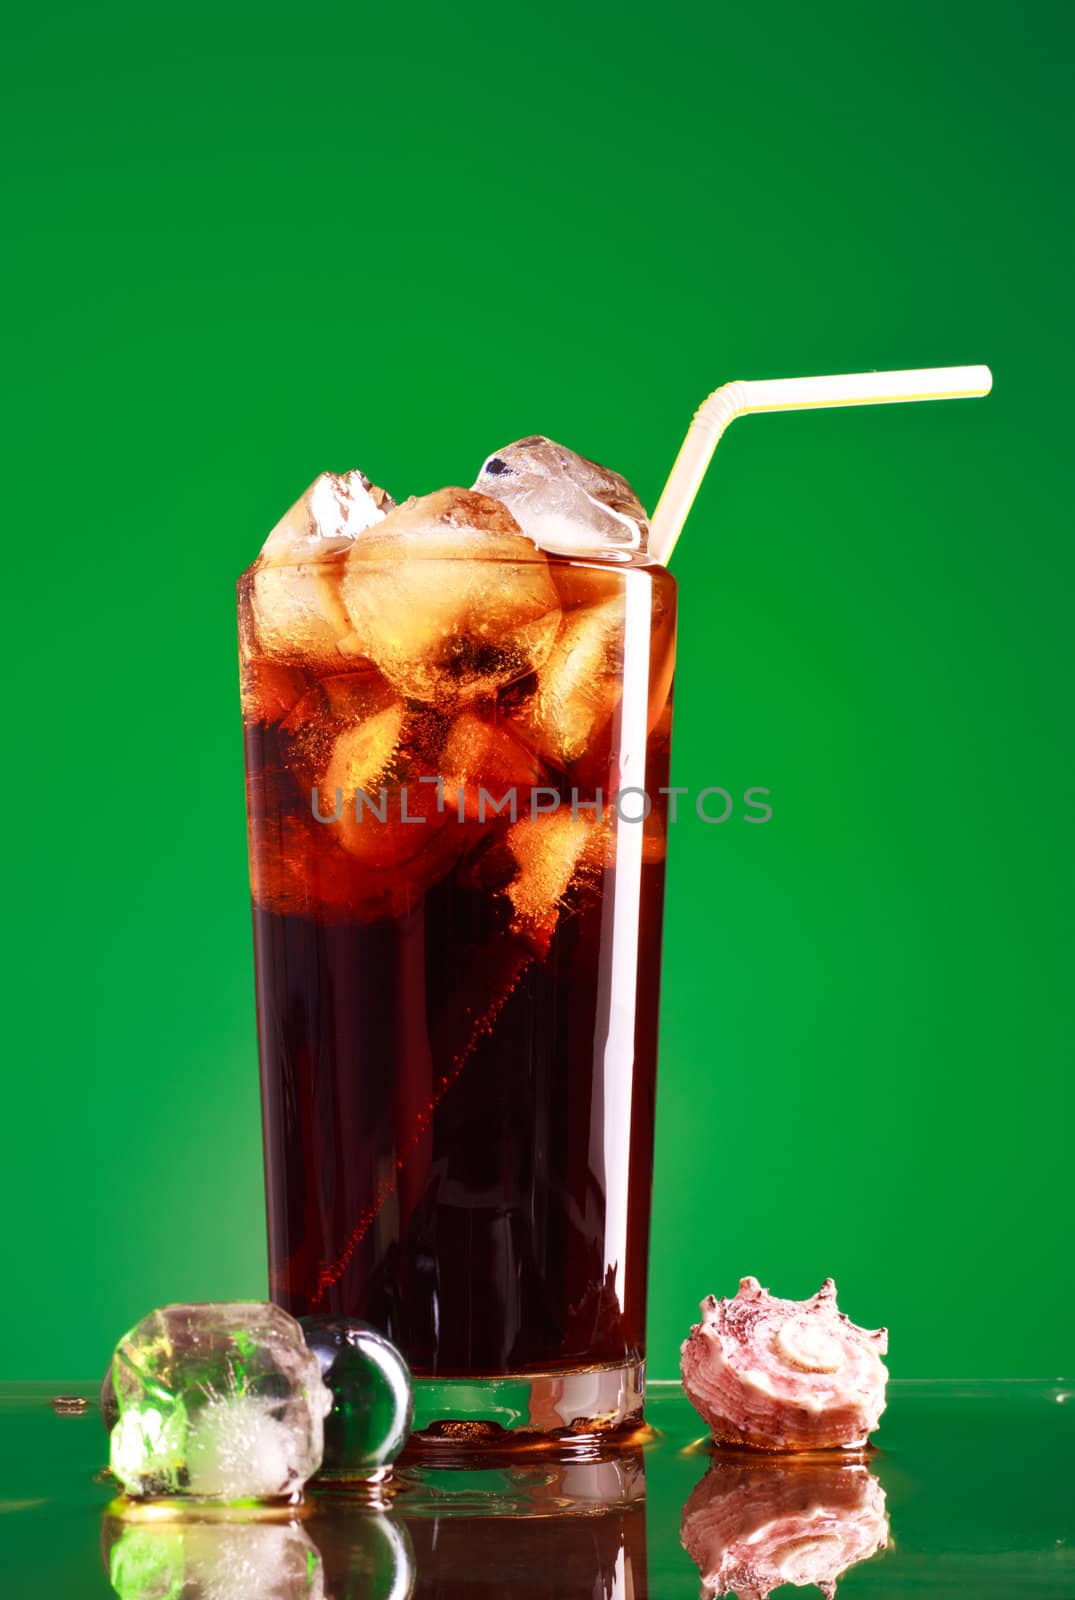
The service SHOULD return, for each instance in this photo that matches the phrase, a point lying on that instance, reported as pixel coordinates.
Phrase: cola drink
(456, 747)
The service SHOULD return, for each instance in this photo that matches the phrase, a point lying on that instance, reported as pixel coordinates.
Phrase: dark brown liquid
(558, 1534)
(596, 1557)
(457, 1100)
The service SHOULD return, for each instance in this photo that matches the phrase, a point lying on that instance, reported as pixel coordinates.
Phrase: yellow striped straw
(739, 399)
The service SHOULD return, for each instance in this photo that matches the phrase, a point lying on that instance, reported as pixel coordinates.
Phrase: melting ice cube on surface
(217, 1402)
(563, 501)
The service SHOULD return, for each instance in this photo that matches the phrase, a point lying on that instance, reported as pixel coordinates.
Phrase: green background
(250, 242)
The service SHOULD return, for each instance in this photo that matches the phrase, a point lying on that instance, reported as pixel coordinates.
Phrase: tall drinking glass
(457, 845)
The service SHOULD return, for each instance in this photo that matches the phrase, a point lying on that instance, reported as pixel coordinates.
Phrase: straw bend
(792, 394)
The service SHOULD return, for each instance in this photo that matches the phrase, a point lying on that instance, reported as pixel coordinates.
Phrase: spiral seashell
(784, 1374)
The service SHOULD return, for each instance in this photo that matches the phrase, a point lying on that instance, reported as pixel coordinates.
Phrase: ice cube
(581, 683)
(362, 754)
(568, 713)
(191, 1560)
(295, 590)
(480, 754)
(335, 509)
(354, 716)
(300, 867)
(217, 1402)
(449, 598)
(563, 501)
(378, 795)
(551, 850)
(340, 866)
(381, 830)
(269, 689)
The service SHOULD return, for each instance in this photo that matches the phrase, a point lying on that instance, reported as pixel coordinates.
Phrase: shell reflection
(752, 1525)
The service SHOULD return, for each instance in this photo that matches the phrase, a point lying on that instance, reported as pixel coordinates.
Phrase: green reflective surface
(975, 1481)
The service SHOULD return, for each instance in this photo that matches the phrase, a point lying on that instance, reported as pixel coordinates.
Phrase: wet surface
(968, 1494)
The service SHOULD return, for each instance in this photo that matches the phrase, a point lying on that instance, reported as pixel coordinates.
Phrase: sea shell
(784, 1374)
(751, 1526)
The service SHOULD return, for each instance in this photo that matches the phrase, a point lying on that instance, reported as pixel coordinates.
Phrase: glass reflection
(753, 1524)
(569, 1529)
(551, 1531)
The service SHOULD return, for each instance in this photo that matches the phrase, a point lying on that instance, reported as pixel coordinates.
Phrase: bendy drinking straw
(791, 394)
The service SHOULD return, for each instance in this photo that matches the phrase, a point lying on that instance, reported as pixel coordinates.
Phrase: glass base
(577, 1411)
